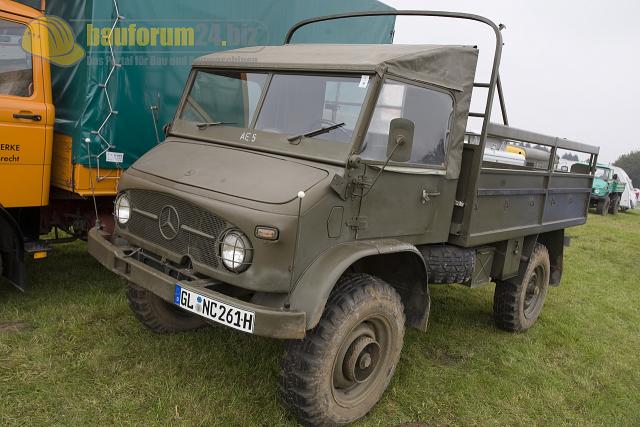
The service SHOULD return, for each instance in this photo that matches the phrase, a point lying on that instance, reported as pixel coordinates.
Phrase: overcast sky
(570, 68)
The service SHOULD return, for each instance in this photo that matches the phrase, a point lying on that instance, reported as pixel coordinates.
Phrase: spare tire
(447, 264)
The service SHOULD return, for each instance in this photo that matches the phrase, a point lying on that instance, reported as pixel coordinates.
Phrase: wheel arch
(399, 264)
(12, 250)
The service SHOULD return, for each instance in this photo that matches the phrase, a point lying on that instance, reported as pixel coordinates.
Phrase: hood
(599, 186)
(599, 183)
(248, 175)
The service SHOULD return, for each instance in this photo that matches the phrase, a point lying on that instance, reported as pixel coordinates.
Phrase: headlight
(235, 251)
(123, 209)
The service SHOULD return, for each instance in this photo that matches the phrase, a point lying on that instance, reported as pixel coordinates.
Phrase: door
(26, 118)
(412, 198)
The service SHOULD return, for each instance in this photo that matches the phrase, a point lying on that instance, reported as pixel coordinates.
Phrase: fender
(12, 250)
(312, 290)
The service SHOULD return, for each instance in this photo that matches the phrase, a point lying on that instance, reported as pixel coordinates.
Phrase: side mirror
(400, 142)
(166, 129)
(615, 176)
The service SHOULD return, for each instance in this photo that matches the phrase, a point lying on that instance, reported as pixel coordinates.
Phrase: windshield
(228, 98)
(322, 107)
(602, 173)
(298, 104)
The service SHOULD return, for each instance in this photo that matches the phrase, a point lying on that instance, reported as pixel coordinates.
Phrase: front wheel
(157, 314)
(517, 303)
(339, 371)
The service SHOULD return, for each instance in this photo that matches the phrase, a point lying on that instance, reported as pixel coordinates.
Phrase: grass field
(71, 353)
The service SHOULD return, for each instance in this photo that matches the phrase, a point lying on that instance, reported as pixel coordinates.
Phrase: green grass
(71, 353)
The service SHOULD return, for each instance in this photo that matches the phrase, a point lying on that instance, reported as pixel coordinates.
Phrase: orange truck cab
(26, 136)
(33, 158)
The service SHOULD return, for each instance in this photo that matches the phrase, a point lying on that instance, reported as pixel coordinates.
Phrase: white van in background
(628, 200)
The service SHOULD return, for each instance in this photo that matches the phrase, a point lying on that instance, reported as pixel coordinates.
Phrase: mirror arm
(399, 141)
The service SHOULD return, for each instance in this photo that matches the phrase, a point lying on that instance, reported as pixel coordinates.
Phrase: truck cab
(310, 192)
(607, 190)
(26, 133)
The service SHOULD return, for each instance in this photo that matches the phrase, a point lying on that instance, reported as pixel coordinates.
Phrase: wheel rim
(533, 292)
(360, 361)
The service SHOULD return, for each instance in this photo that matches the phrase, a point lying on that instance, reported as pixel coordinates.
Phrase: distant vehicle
(628, 200)
(537, 158)
(515, 153)
(607, 189)
(504, 157)
(564, 165)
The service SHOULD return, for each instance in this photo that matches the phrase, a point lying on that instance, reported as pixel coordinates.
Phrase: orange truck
(31, 156)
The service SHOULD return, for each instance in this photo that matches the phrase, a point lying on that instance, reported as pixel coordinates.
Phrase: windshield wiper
(206, 125)
(296, 139)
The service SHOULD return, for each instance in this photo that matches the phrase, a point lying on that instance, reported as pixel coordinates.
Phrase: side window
(16, 70)
(431, 112)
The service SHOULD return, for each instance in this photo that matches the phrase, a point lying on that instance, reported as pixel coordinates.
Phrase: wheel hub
(532, 293)
(361, 359)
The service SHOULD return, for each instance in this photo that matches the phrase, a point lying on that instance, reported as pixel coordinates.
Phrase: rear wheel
(615, 205)
(602, 207)
(157, 314)
(517, 303)
(339, 371)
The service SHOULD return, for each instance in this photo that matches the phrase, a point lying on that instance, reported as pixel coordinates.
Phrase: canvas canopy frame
(494, 85)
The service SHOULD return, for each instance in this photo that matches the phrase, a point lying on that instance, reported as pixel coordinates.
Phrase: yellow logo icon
(52, 38)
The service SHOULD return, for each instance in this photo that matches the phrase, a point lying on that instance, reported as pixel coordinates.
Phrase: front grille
(198, 232)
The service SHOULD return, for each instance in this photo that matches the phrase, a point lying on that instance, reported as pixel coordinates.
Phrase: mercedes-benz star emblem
(169, 222)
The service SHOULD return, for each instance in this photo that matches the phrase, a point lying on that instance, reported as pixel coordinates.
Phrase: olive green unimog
(311, 192)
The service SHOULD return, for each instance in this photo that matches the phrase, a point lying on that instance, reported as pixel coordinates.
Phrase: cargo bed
(497, 201)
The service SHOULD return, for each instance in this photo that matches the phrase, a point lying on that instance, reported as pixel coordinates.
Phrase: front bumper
(269, 322)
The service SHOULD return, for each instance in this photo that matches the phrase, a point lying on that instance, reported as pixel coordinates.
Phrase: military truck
(607, 190)
(319, 209)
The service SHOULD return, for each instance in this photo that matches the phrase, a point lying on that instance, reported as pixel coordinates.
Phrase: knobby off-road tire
(339, 371)
(157, 314)
(615, 205)
(517, 303)
(448, 264)
(602, 207)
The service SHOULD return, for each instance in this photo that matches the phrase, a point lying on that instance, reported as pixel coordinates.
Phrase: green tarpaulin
(155, 43)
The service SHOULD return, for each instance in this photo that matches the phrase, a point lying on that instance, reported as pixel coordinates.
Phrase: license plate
(215, 310)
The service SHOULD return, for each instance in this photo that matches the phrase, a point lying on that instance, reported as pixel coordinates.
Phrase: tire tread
(296, 382)
(506, 309)
(145, 307)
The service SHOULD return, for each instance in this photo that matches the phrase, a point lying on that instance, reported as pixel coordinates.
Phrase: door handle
(34, 117)
(426, 196)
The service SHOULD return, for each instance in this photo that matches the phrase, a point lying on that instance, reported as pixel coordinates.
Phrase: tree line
(631, 165)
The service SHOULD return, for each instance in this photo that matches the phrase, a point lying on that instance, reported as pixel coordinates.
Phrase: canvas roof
(448, 66)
